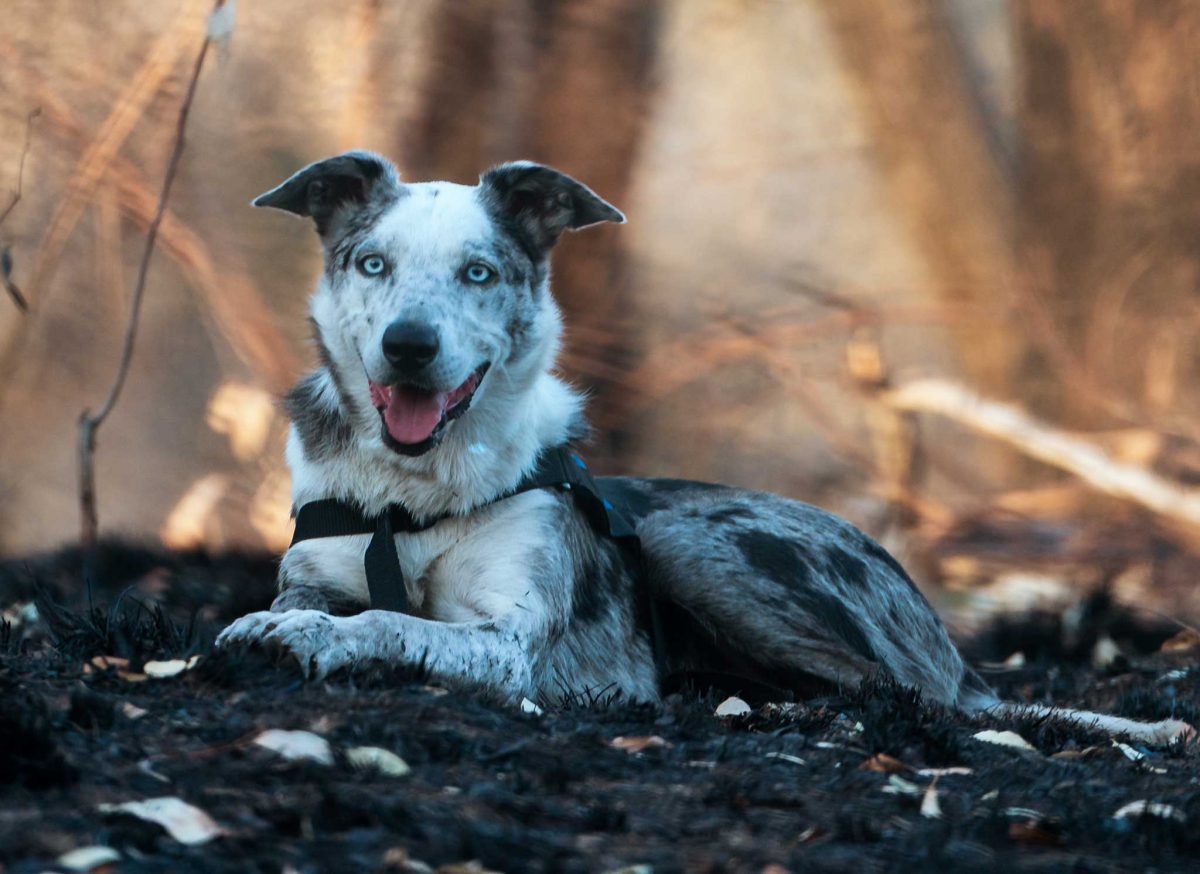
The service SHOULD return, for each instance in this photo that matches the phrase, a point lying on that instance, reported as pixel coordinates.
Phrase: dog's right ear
(322, 189)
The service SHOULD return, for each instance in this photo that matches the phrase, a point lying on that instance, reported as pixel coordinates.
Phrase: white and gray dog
(436, 392)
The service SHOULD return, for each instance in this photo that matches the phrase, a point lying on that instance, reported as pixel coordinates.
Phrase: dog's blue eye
(372, 265)
(479, 274)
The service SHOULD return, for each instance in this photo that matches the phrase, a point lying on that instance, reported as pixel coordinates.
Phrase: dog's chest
(475, 568)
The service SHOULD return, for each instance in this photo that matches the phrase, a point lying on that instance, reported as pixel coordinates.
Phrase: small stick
(5, 258)
(16, 198)
(89, 423)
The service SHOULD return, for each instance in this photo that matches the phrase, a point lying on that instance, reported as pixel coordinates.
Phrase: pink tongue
(412, 415)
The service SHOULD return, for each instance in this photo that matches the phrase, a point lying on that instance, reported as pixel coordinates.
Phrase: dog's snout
(409, 346)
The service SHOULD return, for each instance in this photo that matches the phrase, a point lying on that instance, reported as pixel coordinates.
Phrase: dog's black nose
(409, 346)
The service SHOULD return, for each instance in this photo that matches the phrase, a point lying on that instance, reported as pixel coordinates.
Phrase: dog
(438, 335)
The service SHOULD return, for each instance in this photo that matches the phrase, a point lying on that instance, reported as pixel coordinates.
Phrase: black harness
(559, 468)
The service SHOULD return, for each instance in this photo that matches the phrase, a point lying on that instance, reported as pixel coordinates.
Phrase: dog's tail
(975, 696)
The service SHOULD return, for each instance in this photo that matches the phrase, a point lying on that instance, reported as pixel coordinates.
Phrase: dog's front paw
(319, 642)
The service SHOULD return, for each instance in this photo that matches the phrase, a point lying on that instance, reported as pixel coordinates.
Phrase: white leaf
(528, 706)
(170, 667)
(795, 760)
(377, 759)
(88, 858)
(297, 746)
(132, 711)
(897, 785)
(1004, 739)
(733, 707)
(930, 808)
(1023, 813)
(182, 821)
(941, 772)
(1150, 808)
(1105, 652)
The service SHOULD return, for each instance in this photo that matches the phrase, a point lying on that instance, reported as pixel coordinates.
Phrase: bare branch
(1036, 439)
(16, 198)
(90, 422)
(5, 257)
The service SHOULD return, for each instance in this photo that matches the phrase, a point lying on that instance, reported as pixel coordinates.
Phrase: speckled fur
(521, 597)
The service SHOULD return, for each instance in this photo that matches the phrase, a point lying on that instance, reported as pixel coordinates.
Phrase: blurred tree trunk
(942, 165)
(1109, 194)
(563, 83)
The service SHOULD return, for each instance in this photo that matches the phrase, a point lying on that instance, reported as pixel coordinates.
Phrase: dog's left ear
(322, 189)
(543, 202)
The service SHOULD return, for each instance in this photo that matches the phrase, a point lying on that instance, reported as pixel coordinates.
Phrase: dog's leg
(325, 575)
(327, 599)
(492, 654)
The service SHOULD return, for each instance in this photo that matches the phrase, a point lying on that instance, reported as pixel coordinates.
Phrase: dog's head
(434, 294)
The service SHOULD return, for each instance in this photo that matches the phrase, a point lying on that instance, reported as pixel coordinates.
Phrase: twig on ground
(5, 256)
(89, 423)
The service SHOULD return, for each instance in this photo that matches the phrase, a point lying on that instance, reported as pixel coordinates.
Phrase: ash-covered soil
(834, 785)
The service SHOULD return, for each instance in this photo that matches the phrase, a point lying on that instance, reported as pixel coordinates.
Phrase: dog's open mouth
(414, 417)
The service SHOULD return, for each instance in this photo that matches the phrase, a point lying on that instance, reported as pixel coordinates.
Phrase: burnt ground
(520, 792)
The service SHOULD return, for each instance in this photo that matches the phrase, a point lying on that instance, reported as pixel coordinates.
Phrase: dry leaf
(1004, 739)
(1150, 808)
(1035, 832)
(897, 785)
(733, 706)
(296, 746)
(882, 763)
(941, 772)
(472, 867)
(88, 858)
(1016, 660)
(795, 760)
(397, 859)
(810, 834)
(1105, 652)
(930, 808)
(183, 822)
(1085, 753)
(1185, 641)
(103, 663)
(132, 711)
(377, 759)
(132, 677)
(637, 744)
(169, 668)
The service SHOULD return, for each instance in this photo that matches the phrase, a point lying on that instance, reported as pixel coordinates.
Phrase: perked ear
(320, 190)
(543, 203)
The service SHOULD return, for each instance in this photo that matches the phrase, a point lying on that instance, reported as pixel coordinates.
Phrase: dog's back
(786, 592)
